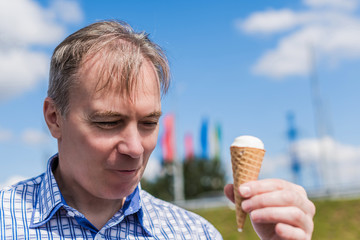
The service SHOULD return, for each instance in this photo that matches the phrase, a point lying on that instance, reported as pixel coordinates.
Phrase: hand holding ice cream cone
(279, 209)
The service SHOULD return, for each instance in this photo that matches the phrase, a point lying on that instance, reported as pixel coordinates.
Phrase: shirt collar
(149, 214)
(48, 199)
(133, 205)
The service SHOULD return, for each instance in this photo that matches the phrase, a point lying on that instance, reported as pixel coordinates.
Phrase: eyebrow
(111, 114)
(105, 114)
(156, 114)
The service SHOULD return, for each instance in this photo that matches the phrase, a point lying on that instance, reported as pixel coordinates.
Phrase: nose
(130, 143)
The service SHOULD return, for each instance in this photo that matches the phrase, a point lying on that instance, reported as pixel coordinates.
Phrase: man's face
(106, 139)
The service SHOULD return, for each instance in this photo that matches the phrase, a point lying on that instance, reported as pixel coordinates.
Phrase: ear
(52, 117)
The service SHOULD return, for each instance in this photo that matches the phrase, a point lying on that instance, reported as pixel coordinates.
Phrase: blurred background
(284, 71)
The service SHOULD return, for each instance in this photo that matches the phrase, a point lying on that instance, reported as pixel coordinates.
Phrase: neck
(96, 210)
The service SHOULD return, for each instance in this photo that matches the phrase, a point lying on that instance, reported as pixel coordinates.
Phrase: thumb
(229, 192)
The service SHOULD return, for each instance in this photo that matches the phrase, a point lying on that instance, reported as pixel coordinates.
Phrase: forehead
(105, 74)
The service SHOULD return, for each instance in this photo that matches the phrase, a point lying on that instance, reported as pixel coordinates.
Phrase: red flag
(168, 139)
(189, 146)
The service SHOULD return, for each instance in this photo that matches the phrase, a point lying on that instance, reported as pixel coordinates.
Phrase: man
(103, 107)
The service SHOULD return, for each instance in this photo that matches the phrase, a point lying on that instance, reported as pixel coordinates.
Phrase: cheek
(151, 141)
(101, 148)
(87, 144)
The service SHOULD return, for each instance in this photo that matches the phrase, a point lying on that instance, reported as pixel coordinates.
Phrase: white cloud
(25, 26)
(35, 137)
(68, 11)
(268, 22)
(338, 4)
(313, 149)
(292, 55)
(323, 161)
(12, 180)
(339, 164)
(25, 22)
(20, 69)
(332, 33)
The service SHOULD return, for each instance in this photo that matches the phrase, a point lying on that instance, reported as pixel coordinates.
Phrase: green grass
(224, 220)
(334, 219)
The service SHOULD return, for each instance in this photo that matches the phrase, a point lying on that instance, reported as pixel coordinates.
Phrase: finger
(229, 192)
(288, 232)
(279, 199)
(287, 215)
(268, 185)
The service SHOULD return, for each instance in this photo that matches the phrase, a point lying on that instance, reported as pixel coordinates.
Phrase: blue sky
(242, 64)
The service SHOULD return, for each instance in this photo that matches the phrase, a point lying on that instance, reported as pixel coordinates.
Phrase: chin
(119, 192)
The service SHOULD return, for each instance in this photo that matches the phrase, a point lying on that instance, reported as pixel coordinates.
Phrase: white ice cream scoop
(248, 141)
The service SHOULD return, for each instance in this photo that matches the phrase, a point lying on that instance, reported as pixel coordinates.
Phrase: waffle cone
(246, 164)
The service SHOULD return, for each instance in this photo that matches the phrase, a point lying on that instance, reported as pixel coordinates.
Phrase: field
(334, 219)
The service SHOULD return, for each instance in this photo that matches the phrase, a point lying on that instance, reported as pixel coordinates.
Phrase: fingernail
(245, 191)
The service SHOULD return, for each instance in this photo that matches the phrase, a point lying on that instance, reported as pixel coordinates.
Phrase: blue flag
(204, 139)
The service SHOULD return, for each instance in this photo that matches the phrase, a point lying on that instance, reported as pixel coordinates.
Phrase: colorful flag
(217, 141)
(204, 139)
(168, 138)
(189, 146)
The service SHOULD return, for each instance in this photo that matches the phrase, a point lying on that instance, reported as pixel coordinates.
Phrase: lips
(127, 171)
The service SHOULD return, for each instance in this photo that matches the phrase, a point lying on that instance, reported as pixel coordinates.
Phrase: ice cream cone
(246, 164)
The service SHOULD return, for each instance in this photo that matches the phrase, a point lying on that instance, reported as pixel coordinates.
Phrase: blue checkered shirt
(35, 209)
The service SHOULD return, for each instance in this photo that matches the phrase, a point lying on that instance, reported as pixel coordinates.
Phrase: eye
(109, 124)
(150, 124)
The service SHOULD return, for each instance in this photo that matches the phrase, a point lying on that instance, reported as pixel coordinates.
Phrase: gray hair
(122, 50)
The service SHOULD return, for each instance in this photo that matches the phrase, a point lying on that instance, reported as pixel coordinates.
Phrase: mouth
(127, 171)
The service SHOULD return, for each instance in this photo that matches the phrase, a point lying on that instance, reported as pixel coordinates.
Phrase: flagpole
(178, 173)
(322, 126)
(178, 180)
